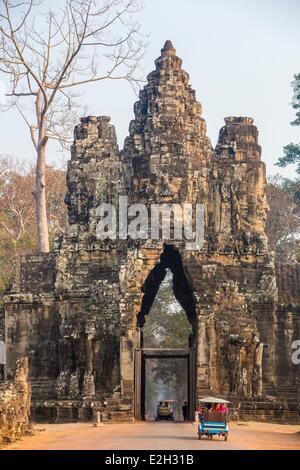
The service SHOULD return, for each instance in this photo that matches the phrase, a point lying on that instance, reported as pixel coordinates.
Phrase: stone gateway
(78, 312)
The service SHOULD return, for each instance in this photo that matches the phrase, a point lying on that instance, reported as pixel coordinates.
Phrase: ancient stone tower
(78, 312)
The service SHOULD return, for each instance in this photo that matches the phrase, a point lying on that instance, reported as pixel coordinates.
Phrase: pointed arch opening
(165, 361)
(169, 260)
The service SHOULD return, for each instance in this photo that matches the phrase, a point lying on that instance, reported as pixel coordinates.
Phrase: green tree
(291, 152)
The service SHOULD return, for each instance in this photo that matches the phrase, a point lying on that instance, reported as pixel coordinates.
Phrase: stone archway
(99, 290)
(183, 292)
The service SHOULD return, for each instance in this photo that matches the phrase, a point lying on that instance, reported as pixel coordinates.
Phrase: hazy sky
(241, 56)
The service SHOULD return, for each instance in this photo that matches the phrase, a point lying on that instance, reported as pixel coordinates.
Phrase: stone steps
(268, 416)
(283, 392)
(43, 388)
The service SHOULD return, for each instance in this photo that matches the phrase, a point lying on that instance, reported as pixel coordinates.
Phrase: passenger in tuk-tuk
(201, 410)
(223, 408)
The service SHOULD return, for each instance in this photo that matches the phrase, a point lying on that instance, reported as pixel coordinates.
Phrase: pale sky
(241, 56)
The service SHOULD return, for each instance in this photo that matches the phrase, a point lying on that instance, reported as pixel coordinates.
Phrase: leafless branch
(47, 54)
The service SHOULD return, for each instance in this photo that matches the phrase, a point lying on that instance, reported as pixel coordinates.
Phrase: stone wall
(287, 331)
(15, 397)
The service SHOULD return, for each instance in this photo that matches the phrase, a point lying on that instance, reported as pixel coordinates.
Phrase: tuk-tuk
(165, 410)
(213, 421)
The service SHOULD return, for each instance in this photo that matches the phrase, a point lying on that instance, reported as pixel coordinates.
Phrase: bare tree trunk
(46, 62)
(40, 199)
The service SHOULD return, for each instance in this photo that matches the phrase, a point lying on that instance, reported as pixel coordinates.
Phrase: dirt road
(158, 436)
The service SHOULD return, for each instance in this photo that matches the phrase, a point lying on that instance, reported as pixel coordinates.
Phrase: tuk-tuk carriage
(165, 410)
(212, 420)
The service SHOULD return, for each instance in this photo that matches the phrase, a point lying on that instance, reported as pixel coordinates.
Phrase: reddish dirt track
(157, 436)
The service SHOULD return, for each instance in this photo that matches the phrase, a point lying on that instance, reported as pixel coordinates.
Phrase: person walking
(185, 411)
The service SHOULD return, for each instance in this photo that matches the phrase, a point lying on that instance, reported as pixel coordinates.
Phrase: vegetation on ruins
(49, 53)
